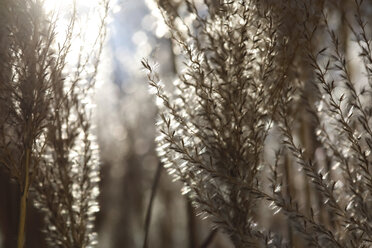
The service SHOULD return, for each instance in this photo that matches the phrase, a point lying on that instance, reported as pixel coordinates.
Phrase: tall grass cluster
(46, 141)
(267, 125)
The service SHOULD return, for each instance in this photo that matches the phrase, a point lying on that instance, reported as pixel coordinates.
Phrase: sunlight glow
(65, 5)
(86, 33)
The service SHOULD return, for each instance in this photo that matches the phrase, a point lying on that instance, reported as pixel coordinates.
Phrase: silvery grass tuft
(46, 140)
(212, 128)
(248, 66)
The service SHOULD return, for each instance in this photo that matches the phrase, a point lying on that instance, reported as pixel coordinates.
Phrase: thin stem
(209, 239)
(149, 208)
(23, 204)
(290, 193)
(191, 224)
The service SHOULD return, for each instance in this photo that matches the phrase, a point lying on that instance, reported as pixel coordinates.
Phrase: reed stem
(23, 204)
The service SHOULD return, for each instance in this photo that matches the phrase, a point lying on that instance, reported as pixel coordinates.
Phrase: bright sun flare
(86, 25)
(65, 5)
